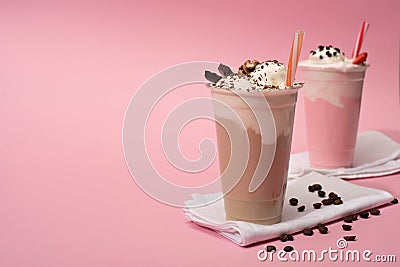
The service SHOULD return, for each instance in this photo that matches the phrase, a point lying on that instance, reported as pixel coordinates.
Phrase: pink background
(67, 72)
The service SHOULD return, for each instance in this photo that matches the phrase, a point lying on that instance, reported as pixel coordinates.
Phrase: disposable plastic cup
(332, 110)
(273, 136)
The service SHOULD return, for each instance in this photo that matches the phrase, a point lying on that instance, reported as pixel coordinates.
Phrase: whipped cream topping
(326, 54)
(325, 67)
(267, 75)
(329, 57)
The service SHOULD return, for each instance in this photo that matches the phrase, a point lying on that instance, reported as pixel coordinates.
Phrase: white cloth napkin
(355, 198)
(375, 155)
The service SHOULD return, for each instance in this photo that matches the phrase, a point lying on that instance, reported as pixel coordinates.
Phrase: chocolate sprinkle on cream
(327, 54)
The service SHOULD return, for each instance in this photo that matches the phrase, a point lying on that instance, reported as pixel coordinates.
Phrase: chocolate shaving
(212, 77)
(224, 70)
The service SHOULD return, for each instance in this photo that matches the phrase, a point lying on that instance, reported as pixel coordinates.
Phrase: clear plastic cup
(332, 110)
(264, 205)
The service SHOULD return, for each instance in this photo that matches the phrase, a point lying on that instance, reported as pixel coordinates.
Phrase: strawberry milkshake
(333, 90)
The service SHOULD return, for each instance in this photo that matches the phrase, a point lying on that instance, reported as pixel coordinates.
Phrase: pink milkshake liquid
(332, 109)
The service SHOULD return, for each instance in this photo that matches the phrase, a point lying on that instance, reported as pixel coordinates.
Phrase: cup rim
(329, 68)
(255, 93)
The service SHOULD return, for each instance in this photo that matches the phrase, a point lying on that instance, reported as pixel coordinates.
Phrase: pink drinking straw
(360, 39)
(294, 57)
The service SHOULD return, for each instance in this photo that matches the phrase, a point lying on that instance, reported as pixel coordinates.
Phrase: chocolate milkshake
(254, 111)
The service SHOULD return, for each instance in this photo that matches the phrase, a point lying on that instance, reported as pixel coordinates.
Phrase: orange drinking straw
(294, 57)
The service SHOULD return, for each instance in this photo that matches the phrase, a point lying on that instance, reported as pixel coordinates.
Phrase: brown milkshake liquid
(263, 206)
(253, 155)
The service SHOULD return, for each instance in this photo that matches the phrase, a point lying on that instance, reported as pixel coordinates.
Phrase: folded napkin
(355, 198)
(375, 155)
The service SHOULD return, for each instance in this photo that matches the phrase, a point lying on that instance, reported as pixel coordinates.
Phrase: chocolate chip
(286, 237)
(348, 219)
(288, 248)
(335, 198)
(327, 201)
(338, 201)
(290, 237)
(335, 54)
(270, 248)
(308, 232)
(301, 208)
(394, 201)
(328, 54)
(311, 188)
(293, 201)
(375, 212)
(337, 49)
(283, 237)
(332, 195)
(317, 187)
(323, 230)
(364, 214)
(317, 205)
(321, 47)
(355, 217)
(346, 227)
(321, 193)
(349, 237)
(321, 57)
